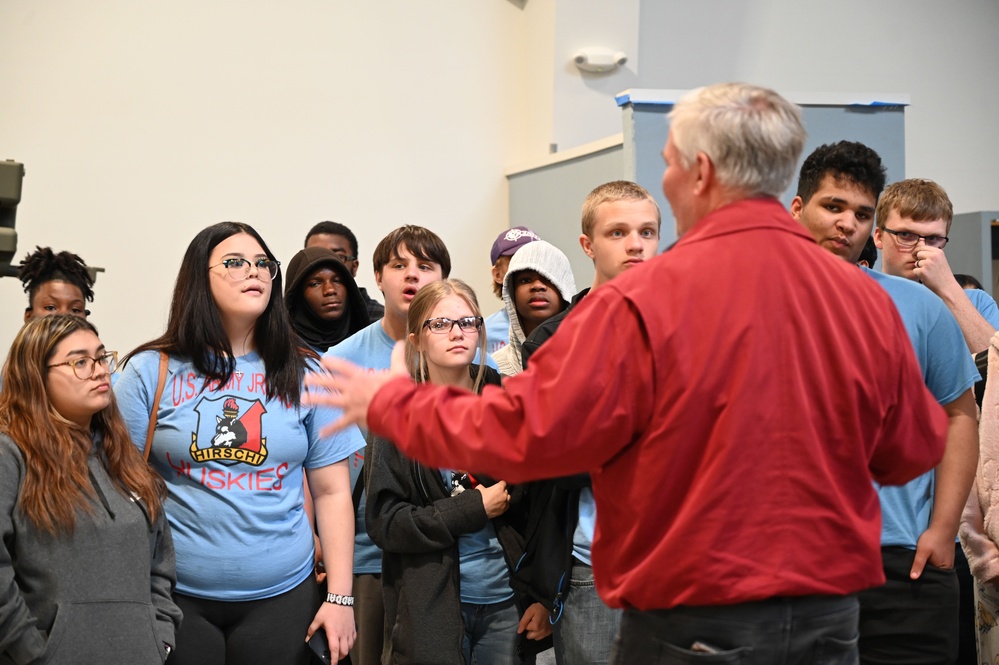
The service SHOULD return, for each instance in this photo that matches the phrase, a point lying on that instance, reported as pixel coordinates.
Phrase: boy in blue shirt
(405, 260)
(912, 618)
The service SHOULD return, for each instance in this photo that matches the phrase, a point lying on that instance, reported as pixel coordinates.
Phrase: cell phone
(321, 646)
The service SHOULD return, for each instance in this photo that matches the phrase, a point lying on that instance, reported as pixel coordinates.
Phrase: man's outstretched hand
(350, 388)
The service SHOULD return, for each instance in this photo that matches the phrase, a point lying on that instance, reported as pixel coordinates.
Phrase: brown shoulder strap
(154, 412)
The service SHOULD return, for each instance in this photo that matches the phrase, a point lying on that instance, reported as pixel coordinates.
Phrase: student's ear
(497, 275)
(796, 205)
(587, 244)
(27, 314)
(878, 237)
(414, 340)
(378, 281)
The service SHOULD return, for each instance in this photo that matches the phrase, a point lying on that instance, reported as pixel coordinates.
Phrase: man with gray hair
(733, 444)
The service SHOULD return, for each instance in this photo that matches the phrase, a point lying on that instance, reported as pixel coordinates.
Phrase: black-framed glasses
(239, 268)
(907, 239)
(83, 367)
(443, 325)
(344, 258)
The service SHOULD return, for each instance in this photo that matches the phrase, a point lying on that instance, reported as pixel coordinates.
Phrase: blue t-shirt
(232, 460)
(985, 304)
(369, 347)
(582, 537)
(948, 371)
(497, 330)
(484, 577)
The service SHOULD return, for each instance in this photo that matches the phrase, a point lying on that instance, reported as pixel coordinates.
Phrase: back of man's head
(421, 242)
(609, 192)
(916, 199)
(845, 161)
(752, 135)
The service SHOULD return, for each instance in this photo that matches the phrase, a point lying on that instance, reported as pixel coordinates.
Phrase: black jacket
(412, 517)
(544, 571)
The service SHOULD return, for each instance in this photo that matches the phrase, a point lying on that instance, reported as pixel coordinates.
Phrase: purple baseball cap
(510, 241)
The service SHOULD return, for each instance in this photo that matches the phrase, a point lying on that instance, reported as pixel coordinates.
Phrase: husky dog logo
(229, 432)
(232, 438)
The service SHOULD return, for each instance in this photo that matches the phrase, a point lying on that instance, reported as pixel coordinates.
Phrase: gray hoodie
(547, 260)
(99, 595)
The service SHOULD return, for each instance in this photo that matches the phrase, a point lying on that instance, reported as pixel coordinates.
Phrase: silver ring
(917, 263)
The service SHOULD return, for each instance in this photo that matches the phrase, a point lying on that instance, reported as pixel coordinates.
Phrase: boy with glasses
(913, 220)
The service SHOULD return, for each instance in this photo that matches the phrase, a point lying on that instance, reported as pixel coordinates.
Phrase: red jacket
(732, 400)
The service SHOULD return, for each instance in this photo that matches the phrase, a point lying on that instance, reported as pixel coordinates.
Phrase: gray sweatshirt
(101, 594)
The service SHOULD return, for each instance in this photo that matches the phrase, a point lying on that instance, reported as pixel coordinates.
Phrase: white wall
(584, 107)
(141, 123)
(944, 54)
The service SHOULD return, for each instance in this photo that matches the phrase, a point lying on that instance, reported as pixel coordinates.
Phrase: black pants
(968, 640)
(909, 621)
(270, 631)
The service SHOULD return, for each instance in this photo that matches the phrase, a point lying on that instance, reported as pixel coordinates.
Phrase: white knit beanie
(548, 261)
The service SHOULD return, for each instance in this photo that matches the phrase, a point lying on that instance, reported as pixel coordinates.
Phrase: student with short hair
(620, 231)
(342, 241)
(913, 219)
(913, 617)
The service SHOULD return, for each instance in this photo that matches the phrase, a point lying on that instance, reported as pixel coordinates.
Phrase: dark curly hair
(847, 160)
(43, 265)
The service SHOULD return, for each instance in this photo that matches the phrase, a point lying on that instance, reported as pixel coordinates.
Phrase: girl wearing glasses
(448, 537)
(231, 440)
(86, 558)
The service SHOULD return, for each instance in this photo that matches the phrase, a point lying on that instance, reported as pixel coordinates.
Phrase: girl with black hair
(55, 283)
(231, 440)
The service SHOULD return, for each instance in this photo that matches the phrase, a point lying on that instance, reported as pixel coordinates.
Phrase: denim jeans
(817, 630)
(490, 633)
(585, 633)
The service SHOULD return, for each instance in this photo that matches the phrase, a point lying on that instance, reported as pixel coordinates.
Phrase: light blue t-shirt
(985, 304)
(370, 347)
(497, 330)
(484, 577)
(948, 371)
(582, 537)
(232, 460)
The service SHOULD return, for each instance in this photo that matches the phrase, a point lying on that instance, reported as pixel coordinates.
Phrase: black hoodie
(320, 334)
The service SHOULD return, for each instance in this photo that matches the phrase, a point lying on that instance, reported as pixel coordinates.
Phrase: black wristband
(337, 599)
